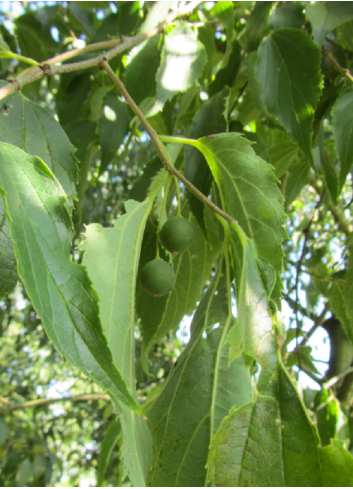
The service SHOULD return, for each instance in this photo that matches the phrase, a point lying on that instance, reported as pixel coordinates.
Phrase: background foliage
(273, 81)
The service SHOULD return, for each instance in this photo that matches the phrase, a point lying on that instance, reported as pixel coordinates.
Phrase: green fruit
(177, 234)
(158, 277)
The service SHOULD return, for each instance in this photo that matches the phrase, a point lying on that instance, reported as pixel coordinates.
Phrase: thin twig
(310, 374)
(317, 323)
(336, 211)
(336, 378)
(43, 402)
(237, 99)
(338, 46)
(326, 278)
(317, 320)
(313, 317)
(298, 271)
(344, 71)
(48, 67)
(104, 65)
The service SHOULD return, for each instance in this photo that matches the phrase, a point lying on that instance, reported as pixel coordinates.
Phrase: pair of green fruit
(158, 277)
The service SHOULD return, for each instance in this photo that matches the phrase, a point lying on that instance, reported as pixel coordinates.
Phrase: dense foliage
(238, 116)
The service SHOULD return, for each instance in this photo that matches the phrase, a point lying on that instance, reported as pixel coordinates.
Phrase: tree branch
(310, 374)
(104, 65)
(43, 402)
(338, 46)
(298, 272)
(318, 320)
(345, 72)
(48, 68)
(335, 379)
(337, 213)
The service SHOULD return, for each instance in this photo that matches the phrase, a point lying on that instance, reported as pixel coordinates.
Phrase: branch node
(16, 82)
(46, 69)
(101, 61)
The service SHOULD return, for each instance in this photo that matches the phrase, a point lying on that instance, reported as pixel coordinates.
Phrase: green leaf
(97, 5)
(306, 359)
(287, 14)
(3, 46)
(33, 35)
(182, 63)
(298, 177)
(282, 155)
(33, 129)
(199, 392)
(343, 130)
(327, 411)
(113, 127)
(8, 265)
(140, 187)
(336, 465)
(156, 15)
(112, 257)
(60, 290)
(330, 174)
(208, 120)
(338, 301)
(255, 88)
(257, 25)
(143, 66)
(289, 93)
(205, 34)
(249, 192)
(24, 473)
(328, 97)
(198, 395)
(129, 17)
(83, 135)
(270, 442)
(224, 11)
(82, 19)
(326, 16)
(71, 96)
(3, 431)
(226, 75)
(253, 331)
(349, 285)
(343, 35)
(108, 30)
(106, 448)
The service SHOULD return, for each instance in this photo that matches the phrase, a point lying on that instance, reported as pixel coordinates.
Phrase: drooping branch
(49, 67)
(104, 65)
